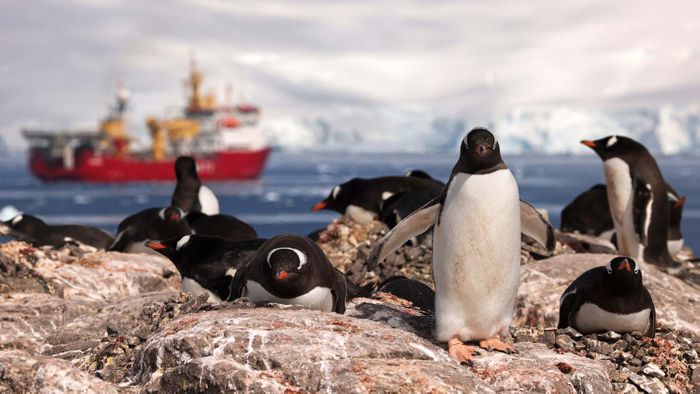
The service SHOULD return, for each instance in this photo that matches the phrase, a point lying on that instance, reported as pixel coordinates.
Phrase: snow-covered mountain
(550, 130)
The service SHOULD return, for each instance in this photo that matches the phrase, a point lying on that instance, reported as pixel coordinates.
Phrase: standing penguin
(476, 248)
(190, 195)
(293, 270)
(610, 298)
(638, 199)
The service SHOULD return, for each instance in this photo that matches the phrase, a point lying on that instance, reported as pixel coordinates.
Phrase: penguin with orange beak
(609, 298)
(638, 198)
(291, 269)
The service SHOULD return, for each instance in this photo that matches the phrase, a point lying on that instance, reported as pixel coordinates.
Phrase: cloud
(62, 60)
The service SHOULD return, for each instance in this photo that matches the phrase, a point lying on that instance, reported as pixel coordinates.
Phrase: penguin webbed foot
(496, 343)
(459, 351)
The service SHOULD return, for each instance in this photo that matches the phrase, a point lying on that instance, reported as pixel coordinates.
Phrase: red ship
(226, 141)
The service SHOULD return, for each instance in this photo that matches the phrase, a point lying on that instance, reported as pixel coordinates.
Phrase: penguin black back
(220, 225)
(186, 191)
(419, 294)
(588, 213)
(291, 269)
(211, 262)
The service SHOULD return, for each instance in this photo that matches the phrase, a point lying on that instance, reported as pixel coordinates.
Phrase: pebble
(648, 385)
(570, 332)
(653, 370)
(610, 336)
(565, 342)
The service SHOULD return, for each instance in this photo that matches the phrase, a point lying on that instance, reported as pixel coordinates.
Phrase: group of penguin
(475, 223)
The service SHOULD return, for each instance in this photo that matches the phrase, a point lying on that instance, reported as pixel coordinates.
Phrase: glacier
(667, 130)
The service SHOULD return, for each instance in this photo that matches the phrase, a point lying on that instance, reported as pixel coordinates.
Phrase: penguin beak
(155, 245)
(282, 275)
(319, 206)
(590, 144)
(625, 266)
(680, 202)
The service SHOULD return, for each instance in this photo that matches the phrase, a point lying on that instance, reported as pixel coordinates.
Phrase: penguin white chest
(193, 287)
(620, 198)
(476, 256)
(591, 318)
(319, 298)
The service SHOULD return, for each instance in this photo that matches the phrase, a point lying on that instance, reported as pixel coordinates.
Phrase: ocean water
(280, 201)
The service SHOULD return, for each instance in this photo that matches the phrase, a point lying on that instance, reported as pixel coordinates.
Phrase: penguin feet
(495, 343)
(459, 351)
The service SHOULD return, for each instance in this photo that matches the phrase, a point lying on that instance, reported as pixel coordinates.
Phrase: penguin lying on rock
(419, 294)
(360, 198)
(610, 298)
(206, 264)
(638, 198)
(35, 231)
(293, 270)
(149, 224)
(476, 248)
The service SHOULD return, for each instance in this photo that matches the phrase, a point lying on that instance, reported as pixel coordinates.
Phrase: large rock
(23, 372)
(677, 302)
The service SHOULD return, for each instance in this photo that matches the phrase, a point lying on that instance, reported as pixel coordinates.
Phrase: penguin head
(171, 248)
(185, 167)
(624, 270)
(480, 151)
(25, 224)
(289, 260)
(171, 214)
(613, 146)
(340, 196)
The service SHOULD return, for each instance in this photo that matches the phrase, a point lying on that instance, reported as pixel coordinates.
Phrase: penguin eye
(608, 267)
(611, 141)
(465, 143)
(17, 219)
(636, 268)
(182, 242)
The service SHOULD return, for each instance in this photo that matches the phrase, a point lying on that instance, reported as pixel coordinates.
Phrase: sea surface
(280, 201)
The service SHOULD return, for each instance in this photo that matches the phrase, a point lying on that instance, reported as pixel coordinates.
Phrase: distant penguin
(190, 195)
(610, 298)
(476, 247)
(419, 294)
(400, 205)
(206, 264)
(291, 269)
(224, 226)
(360, 198)
(149, 224)
(589, 213)
(638, 199)
(35, 231)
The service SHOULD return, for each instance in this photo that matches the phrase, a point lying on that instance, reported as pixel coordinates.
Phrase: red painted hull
(220, 166)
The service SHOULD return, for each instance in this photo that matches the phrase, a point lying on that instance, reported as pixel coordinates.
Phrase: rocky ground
(78, 320)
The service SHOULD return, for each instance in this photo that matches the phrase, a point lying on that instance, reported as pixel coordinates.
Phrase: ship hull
(88, 167)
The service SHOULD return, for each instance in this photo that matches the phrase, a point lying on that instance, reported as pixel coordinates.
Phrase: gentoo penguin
(610, 298)
(419, 294)
(638, 199)
(291, 269)
(35, 231)
(206, 264)
(190, 195)
(149, 224)
(224, 226)
(476, 247)
(400, 205)
(589, 213)
(360, 198)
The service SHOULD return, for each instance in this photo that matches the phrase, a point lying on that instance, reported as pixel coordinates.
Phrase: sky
(346, 61)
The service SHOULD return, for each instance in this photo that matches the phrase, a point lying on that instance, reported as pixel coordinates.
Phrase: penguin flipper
(122, 240)
(339, 292)
(642, 209)
(534, 225)
(237, 284)
(414, 224)
(568, 306)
